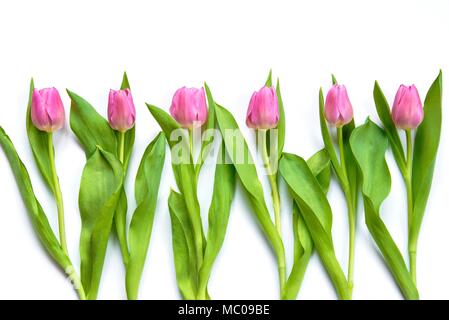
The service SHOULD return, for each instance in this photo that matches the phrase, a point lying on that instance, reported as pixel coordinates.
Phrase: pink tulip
(263, 109)
(47, 110)
(189, 107)
(338, 108)
(407, 112)
(121, 111)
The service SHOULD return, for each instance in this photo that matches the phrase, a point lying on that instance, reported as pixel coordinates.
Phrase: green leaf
(384, 113)
(39, 141)
(101, 183)
(327, 139)
(130, 134)
(91, 129)
(125, 82)
(317, 214)
(220, 207)
(334, 79)
(184, 174)
(36, 213)
(351, 165)
(246, 171)
(425, 150)
(167, 124)
(269, 81)
(210, 124)
(146, 191)
(303, 249)
(122, 206)
(369, 143)
(183, 241)
(320, 166)
(281, 124)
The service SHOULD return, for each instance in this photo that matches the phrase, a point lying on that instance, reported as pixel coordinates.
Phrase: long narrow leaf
(327, 139)
(425, 150)
(146, 191)
(384, 113)
(320, 166)
(184, 172)
(220, 207)
(183, 241)
(369, 143)
(39, 145)
(101, 183)
(91, 129)
(36, 213)
(247, 174)
(317, 213)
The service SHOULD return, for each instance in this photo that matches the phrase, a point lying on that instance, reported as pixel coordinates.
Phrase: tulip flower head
(47, 110)
(189, 107)
(407, 112)
(121, 110)
(338, 108)
(263, 109)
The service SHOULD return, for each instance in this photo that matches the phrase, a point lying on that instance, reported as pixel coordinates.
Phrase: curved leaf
(122, 206)
(425, 150)
(269, 81)
(131, 133)
(317, 214)
(351, 166)
(281, 124)
(91, 129)
(36, 213)
(183, 241)
(220, 207)
(101, 183)
(247, 174)
(384, 113)
(185, 179)
(184, 172)
(320, 166)
(146, 191)
(210, 124)
(327, 139)
(369, 143)
(39, 145)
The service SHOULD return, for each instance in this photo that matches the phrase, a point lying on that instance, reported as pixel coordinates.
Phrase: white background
(86, 45)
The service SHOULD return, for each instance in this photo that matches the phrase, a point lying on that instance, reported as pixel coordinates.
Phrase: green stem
(73, 276)
(120, 216)
(408, 184)
(191, 144)
(58, 195)
(121, 152)
(198, 237)
(70, 270)
(272, 178)
(351, 210)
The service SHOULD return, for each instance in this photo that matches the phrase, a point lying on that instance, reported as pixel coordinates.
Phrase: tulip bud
(121, 111)
(407, 111)
(189, 107)
(263, 109)
(47, 110)
(338, 108)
